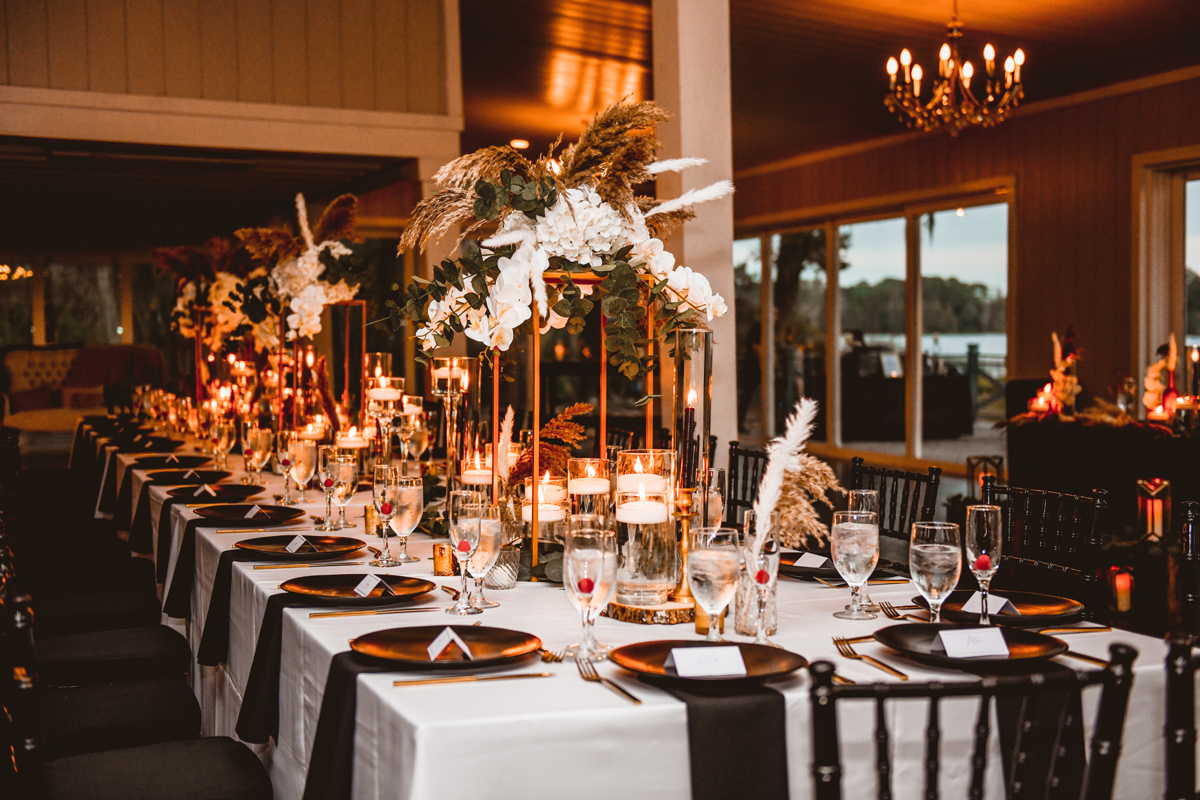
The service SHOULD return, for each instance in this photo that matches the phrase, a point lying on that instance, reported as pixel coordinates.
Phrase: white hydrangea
(582, 228)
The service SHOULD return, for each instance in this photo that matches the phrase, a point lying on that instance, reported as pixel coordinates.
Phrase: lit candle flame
(546, 479)
(637, 465)
(352, 432)
(591, 471)
(378, 371)
(232, 358)
(308, 359)
(466, 380)
(476, 459)
(692, 397)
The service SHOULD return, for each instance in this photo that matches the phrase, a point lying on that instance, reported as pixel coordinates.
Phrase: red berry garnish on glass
(762, 576)
(464, 546)
(586, 585)
(328, 483)
(215, 440)
(248, 453)
(386, 508)
(983, 562)
(286, 462)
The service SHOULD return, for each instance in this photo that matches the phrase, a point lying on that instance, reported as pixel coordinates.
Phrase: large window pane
(1191, 259)
(81, 304)
(799, 286)
(16, 306)
(872, 279)
(747, 276)
(964, 289)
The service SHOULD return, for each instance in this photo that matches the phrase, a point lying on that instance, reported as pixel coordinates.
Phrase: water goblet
(464, 533)
(256, 450)
(304, 463)
(712, 572)
(855, 543)
(590, 575)
(935, 560)
(224, 437)
(283, 448)
(384, 494)
(410, 504)
(716, 497)
(491, 539)
(344, 469)
(984, 545)
(418, 438)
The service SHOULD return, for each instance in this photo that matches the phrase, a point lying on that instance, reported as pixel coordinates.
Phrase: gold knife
(450, 590)
(302, 566)
(262, 530)
(1061, 631)
(369, 612)
(1099, 662)
(869, 583)
(473, 679)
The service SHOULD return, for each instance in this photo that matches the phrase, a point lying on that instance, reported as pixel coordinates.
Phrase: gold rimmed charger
(275, 547)
(762, 662)
(410, 646)
(918, 641)
(338, 588)
(1034, 610)
(240, 513)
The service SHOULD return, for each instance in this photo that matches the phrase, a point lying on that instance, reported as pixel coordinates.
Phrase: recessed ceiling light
(520, 144)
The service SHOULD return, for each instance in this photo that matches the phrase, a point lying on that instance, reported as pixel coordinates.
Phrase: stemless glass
(304, 463)
(326, 463)
(763, 568)
(491, 539)
(984, 544)
(855, 541)
(344, 469)
(590, 575)
(712, 568)
(464, 532)
(384, 493)
(410, 505)
(283, 448)
(935, 560)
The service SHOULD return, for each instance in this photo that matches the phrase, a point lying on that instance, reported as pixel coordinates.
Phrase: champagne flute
(984, 545)
(935, 560)
(855, 541)
(410, 504)
(763, 567)
(491, 539)
(590, 575)
(716, 497)
(464, 532)
(326, 461)
(457, 500)
(283, 447)
(712, 572)
(384, 491)
(345, 484)
(304, 463)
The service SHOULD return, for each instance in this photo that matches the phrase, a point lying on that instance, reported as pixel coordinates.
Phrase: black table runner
(737, 738)
(214, 642)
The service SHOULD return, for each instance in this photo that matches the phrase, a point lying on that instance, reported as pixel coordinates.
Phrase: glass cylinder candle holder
(692, 406)
(551, 497)
(652, 470)
(451, 379)
(384, 395)
(647, 552)
(476, 473)
(588, 486)
(377, 365)
(353, 442)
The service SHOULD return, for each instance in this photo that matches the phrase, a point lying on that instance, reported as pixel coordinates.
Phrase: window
(747, 278)
(1191, 250)
(798, 289)
(82, 304)
(16, 306)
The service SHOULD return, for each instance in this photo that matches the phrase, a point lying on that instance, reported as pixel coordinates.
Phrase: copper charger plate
(180, 477)
(410, 646)
(171, 462)
(235, 514)
(275, 547)
(762, 662)
(339, 589)
(151, 444)
(222, 491)
(916, 640)
(1035, 610)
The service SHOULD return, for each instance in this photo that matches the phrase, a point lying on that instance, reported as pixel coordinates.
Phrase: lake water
(947, 344)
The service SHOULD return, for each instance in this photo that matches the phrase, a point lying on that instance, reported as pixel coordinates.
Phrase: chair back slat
(746, 467)
(1181, 719)
(933, 744)
(1188, 579)
(826, 761)
(22, 718)
(1110, 725)
(904, 497)
(979, 751)
(883, 751)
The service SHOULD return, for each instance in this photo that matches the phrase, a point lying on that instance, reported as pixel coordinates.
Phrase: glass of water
(713, 566)
(410, 505)
(983, 550)
(590, 575)
(855, 541)
(491, 539)
(935, 561)
(864, 500)
(464, 534)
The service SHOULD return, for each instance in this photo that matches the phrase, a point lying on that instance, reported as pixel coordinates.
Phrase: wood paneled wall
(1073, 172)
(374, 55)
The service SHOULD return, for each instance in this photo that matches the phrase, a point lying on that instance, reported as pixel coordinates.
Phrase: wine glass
(935, 560)
(716, 497)
(304, 463)
(455, 502)
(326, 462)
(256, 450)
(204, 423)
(491, 539)
(855, 541)
(864, 500)
(464, 532)
(418, 438)
(410, 504)
(411, 408)
(590, 575)
(984, 545)
(283, 448)
(712, 572)
(384, 493)
(762, 563)
(345, 483)
(223, 439)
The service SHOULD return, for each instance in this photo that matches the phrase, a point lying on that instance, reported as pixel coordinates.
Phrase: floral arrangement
(577, 216)
(207, 278)
(300, 274)
(1065, 385)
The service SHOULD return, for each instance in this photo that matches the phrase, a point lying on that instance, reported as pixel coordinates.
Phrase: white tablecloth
(562, 734)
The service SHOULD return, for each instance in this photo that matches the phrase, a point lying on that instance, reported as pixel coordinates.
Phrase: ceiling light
(519, 144)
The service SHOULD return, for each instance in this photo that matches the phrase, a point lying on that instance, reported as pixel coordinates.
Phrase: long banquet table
(514, 738)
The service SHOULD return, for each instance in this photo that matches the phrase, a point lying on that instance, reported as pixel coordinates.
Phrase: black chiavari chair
(1050, 535)
(746, 467)
(904, 498)
(1180, 729)
(619, 438)
(1188, 579)
(1035, 729)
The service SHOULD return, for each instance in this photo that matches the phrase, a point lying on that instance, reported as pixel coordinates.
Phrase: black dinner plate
(1036, 610)
(1025, 648)
(149, 444)
(231, 492)
(339, 589)
(274, 548)
(187, 477)
(171, 462)
(787, 567)
(762, 662)
(235, 514)
(489, 646)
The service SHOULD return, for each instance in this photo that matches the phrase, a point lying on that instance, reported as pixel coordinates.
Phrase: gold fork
(550, 656)
(847, 650)
(587, 671)
(891, 612)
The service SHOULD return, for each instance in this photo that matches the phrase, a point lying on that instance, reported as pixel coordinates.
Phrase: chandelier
(953, 106)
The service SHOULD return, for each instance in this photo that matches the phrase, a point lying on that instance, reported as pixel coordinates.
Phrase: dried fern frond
(608, 136)
(553, 457)
(485, 164)
(563, 429)
(339, 220)
(269, 246)
(435, 215)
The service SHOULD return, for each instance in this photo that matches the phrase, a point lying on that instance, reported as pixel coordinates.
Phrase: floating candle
(642, 512)
(547, 512)
(631, 482)
(351, 439)
(477, 476)
(383, 394)
(589, 486)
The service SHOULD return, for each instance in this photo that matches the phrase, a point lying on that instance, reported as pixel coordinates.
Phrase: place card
(149, 443)
(448, 638)
(172, 459)
(814, 560)
(295, 544)
(191, 473)
(203, 489)
(996, 604)
(139, 437)
(368, 584)
(706, 662)
(253, 512)
(973, 642)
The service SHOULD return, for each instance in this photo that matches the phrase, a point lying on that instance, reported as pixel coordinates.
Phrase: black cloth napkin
(331, 763)
(108, 490)
(179, 598)
(737, 738)
(141, 536)
(1039, 742)
(214, 642)
(124, 497)
(258, 719)
(164, 535)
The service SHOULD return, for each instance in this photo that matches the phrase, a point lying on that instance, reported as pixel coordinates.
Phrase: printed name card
(191, 473)
(203, 489)
(368, 584)
(149, 443)
(448, 639)
(814, 560)
(706, 662)
(172, 459)
(253, 512)
(973, 642)
(139, 437)
(996, 604)
(295, 544)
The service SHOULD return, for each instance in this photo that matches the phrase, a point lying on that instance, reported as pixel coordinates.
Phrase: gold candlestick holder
(683, 509)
